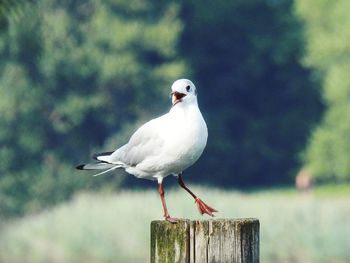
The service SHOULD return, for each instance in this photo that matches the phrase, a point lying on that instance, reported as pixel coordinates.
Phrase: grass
(103, 228)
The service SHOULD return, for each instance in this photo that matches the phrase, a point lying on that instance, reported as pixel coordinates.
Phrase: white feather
(111, 169)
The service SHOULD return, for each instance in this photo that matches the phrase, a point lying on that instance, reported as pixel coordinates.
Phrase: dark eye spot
(188, 88)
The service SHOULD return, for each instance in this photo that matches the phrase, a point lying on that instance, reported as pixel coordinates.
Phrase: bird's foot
(171, 219)
(204, 208)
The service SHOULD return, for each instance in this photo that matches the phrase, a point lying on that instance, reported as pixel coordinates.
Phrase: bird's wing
(146, 142)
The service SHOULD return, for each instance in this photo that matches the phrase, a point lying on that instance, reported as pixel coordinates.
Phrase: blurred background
(79, 76)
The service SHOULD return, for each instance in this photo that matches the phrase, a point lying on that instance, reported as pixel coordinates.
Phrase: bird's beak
(176, 97)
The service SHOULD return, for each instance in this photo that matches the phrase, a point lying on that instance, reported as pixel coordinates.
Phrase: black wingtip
(80, 167)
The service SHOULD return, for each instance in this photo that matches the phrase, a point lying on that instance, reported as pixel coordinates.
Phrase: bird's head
(183, 90)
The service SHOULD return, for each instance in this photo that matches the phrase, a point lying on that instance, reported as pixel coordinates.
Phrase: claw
(203, 208)
(171, 219)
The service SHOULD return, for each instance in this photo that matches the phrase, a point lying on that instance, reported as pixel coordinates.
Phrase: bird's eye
(188, 88)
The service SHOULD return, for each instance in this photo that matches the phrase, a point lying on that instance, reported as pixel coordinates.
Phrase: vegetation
(93, 227)
(327, 34)
(259, 101)
(79, 76)
(74, 74)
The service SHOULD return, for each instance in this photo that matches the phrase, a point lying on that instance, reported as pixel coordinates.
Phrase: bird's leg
(202, 207)
(166, 213)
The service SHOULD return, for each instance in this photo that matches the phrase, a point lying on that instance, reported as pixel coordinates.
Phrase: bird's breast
(188, 135)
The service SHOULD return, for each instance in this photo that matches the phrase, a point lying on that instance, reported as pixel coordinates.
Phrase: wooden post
(207, 241)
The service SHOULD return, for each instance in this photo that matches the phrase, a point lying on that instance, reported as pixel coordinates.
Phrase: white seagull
(163, 146)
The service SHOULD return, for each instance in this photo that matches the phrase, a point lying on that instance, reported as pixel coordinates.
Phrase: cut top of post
(220, 240)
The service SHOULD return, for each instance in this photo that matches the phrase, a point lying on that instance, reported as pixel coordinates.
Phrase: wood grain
(205, 241)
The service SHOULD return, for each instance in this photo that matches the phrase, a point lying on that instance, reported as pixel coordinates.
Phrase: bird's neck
(185, 109)
(185, 106)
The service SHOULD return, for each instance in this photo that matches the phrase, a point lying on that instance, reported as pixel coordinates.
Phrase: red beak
(176, 97)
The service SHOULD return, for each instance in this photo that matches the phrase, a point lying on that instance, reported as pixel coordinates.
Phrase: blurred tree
(258, 100)
(327, 25)
(78, 74)
(11, 9)
(73, 73)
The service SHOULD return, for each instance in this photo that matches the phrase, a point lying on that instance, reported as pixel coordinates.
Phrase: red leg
(202, 207)
(166, 213)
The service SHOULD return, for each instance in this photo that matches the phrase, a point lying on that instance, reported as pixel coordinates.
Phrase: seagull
(164, 146)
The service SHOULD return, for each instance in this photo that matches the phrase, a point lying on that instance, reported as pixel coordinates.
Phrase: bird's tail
(107, 167)
(102, 157)
(103, 163)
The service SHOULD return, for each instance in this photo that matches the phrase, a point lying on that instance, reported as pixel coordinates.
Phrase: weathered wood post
(207, 241)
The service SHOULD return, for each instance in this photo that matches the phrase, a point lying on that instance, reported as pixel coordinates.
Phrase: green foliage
(79, 76)
(12, 10)
(73, 74)
(327, 34)
(259, 101)
(95, 228)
